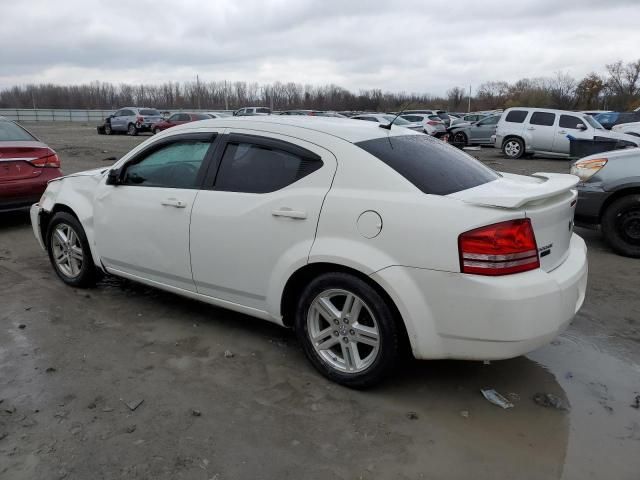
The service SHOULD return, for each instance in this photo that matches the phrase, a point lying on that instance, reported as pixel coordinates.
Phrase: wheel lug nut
(352, 332)
(346, 320)
(345, 339)
(336, 321)
(336, 333)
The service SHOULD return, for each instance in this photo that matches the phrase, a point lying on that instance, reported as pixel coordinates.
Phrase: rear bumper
(453, 315)
(21, 194)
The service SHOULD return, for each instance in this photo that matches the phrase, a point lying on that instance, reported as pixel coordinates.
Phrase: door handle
(530, 128)
(562, 132)
(173, 202)
(290, 213)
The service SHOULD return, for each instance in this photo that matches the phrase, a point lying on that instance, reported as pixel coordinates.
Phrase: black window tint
(490, 121)
(542, 118)
(569, 121)
(254, 168)
(150, 112)
(174, 118)
(200, 116)
(263, 110)
(412, 118)
(516, 116)
(175, 165)
(431, 165)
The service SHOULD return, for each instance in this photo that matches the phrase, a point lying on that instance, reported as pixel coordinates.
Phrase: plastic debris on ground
(494, 397)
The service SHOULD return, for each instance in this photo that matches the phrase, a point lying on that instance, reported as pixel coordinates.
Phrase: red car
(26, 165)
(179, 119)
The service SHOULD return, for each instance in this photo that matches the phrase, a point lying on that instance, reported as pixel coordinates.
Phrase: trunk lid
(548, 199)
(16, 158)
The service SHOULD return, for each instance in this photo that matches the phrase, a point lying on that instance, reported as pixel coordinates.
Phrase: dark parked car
(179, 119)
(26, 165)
(609, 196)
(609, 119)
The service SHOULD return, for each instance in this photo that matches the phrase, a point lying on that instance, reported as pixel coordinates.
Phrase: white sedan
(363, 239)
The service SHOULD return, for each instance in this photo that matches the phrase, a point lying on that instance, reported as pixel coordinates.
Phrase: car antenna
(388, 127)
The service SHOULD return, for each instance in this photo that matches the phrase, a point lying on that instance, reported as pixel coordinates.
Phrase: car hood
(96, 172)
(618, 136)
(624, 153)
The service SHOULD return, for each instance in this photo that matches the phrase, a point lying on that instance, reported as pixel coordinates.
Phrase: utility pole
(198, 88)
(469, 107)
(226, 98)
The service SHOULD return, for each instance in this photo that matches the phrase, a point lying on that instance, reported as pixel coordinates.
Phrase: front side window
(544, 119)
(569, 121)
(431, 165)
(255, 168)
(174, 118)
(516, 116)
(490, 121)
(175, 165)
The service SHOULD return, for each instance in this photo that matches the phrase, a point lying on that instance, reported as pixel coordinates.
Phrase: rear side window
(11, 132)
(516, 116)
(263, 110)
(254, 168)
(569, 121)
(542, 118)
(150, 112)
(412, 118)
(431, 165)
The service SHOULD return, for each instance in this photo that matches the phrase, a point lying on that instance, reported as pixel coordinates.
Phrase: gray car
(609, 196)
(131, 120)
(475, 133)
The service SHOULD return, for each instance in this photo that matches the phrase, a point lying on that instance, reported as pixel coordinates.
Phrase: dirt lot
(72, 360)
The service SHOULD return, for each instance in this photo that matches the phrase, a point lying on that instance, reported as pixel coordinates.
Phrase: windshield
(9, 132)
(150, 111)
(397, 121)
(594, 123)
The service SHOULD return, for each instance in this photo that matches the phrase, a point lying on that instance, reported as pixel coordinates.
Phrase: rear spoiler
(515, 191)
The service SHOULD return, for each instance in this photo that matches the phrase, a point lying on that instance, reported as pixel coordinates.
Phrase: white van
(528, 131)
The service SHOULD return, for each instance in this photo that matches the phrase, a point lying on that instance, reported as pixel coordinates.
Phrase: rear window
(443, 116)
(11, 132)
(542, 118)
(516, 116)
(263, 110)
(150, 112)
(431, 165)
(200, 116)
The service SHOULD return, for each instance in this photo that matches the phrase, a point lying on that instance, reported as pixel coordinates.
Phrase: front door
(142, 222)
(258, 215)
(542, 131)
(481, 131)
(568, 125)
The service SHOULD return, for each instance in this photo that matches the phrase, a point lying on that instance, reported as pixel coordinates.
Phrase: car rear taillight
(50, 160)
(432, 122)
(499, 249)
(140, 119)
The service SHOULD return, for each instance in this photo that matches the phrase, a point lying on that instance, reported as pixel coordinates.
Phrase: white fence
(64, 115)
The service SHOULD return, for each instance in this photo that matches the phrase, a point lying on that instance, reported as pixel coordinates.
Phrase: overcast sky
(407, 45)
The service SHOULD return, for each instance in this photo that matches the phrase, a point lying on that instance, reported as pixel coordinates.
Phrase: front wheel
(69, 251)
(132, 130)
(621, 226)
(513, 148)
(461, 138)
(107, 129)
(347, 330)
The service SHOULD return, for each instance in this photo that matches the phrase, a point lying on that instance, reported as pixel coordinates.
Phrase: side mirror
(113, 177)
(581, 126)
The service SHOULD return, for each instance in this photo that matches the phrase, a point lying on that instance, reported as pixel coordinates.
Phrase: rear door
(541, 131)
(142, 224)
(258, 214)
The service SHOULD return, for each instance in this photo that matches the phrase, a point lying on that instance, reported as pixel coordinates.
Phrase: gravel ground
(75, 363)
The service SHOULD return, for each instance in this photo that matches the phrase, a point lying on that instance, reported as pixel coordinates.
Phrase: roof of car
(344, 128)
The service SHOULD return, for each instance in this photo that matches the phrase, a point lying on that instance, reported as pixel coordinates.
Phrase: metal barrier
(67, 115)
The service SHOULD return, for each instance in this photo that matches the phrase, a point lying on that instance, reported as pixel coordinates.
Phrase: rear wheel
(156, 131)
(69, 251)
(621, 225)
(513, 148)
(107, 129)
(347, 330)
(132, 130)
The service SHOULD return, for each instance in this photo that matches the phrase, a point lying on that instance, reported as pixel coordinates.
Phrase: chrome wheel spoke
(352, 307)
(327, 309)
(328, 343)
(76, 253)
(367, 335)
(351, 356)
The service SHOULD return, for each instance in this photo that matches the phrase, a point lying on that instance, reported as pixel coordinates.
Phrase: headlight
(585, 169)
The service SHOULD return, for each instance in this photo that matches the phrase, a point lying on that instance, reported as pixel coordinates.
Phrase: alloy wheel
(343, 331)
(67, 250)
(512, 148)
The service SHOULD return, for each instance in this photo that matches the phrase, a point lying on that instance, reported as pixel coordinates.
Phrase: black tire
(156, 131)
(513, 147)
(621, 225)
(132, 130)
(388, 350)
(460, 137)
(107, 129)
(87, 274)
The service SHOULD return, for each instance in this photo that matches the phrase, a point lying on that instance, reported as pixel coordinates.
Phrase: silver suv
(249, 111)
(528, 131)
(132, 120)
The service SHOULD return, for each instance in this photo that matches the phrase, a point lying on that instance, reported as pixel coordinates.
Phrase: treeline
(618, 89)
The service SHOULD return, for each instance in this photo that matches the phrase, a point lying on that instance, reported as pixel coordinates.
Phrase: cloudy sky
(407, 45)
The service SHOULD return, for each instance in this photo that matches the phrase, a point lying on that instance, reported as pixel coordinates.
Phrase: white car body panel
(627, 128)
(227, 249)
